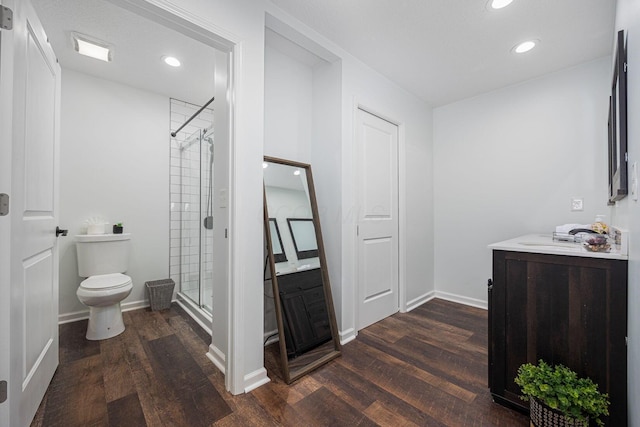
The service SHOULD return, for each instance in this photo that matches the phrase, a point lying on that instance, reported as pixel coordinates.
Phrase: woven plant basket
(543, 416)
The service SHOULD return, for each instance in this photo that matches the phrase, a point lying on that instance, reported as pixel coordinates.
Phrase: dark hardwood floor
(423, 368)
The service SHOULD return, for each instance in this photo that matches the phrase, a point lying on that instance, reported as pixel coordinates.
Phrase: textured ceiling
(447, 50)
(441, 50)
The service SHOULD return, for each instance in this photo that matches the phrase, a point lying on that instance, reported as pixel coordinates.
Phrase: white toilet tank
(102, 253)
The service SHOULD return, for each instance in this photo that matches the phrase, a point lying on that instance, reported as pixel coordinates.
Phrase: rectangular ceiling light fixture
(89, 46)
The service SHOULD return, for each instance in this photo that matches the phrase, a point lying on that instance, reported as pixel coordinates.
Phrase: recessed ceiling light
(91, 47)
(296, 172)
(499, 4)
(525, 46)
(170, 60)
(265, 165)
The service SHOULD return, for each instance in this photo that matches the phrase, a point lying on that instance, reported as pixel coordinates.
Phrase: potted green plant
(118, 228)
(558, 397)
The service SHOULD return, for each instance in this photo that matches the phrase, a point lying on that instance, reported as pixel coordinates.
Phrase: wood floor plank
(126, 412)
(150, 325)
(118, 382)
(193, 342)
(159, 405)
(405, 368)
(73, 343)
(176, 368)
(451, 367)
(425, 368)
(276, 405)
(382, 416)
(346, 379)
(76, 395)
(323, 408)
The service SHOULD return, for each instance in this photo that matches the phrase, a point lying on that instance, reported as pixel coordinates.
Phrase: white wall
(114, 161)
(627, 211)
(508, 162)
(339, 86)
(288, 95)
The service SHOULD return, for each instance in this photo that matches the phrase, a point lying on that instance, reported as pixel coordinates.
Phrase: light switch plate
(577, 204)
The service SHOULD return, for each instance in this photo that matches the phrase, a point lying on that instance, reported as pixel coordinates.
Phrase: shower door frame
(188, 158)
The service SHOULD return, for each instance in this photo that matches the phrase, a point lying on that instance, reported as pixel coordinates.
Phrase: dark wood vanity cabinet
(306, 319)
(566, 310)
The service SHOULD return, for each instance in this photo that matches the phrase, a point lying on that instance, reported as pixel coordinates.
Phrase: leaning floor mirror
(307, 327)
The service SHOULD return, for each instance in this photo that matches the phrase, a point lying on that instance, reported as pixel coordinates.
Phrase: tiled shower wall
(191, 253)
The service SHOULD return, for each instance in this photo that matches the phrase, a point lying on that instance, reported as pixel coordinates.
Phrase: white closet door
(377, 241)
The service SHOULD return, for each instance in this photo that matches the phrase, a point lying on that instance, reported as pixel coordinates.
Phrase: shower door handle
(60, 231)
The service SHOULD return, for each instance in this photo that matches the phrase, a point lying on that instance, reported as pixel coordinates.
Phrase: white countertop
(544, 244)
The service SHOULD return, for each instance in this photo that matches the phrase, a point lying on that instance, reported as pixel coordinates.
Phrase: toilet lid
(106, 281)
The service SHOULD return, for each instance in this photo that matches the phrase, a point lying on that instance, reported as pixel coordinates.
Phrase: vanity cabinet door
(306, 319)
(564, 310)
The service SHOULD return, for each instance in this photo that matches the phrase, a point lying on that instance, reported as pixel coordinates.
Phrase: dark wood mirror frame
(309, 357)
(618, 124)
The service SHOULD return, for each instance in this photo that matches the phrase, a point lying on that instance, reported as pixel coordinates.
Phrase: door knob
(60, 231)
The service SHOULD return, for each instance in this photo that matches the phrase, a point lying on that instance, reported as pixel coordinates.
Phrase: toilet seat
(105, 282)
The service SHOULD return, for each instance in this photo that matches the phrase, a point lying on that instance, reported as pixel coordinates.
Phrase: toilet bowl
(102, 294)
(102, 259)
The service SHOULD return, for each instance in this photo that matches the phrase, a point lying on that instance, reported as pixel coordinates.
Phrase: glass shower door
(196, 219)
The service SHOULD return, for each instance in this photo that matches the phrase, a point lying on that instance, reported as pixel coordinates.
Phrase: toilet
(102, 258)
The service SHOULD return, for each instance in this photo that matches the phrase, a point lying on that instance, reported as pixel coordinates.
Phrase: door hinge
(3, 391)
(6, 18)
(4, 204)
(225, 233)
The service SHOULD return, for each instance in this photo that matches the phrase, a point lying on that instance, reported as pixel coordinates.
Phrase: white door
(377, 228)
(31, 294)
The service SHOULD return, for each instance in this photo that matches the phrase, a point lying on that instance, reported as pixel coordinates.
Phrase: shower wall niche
(191, 181)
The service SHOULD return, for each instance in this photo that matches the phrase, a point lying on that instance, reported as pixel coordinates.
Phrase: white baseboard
(473, 302)
(84, 314)
(255, 379)
(416, 302)
(347, 336)
(217, 357)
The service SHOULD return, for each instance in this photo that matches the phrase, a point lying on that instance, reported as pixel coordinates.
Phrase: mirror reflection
(304, 309)
(303, 235)
(276, 241)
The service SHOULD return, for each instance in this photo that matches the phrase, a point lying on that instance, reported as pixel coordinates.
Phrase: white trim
(168, 14)
(284, 29)
(402, 219)
(235, 312)
(416, 302)
(6, 148)
(217, 357)
(348, 335)
(473, 302)
(255, 379)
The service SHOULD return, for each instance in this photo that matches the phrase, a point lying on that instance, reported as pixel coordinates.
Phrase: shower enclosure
(192, 162)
